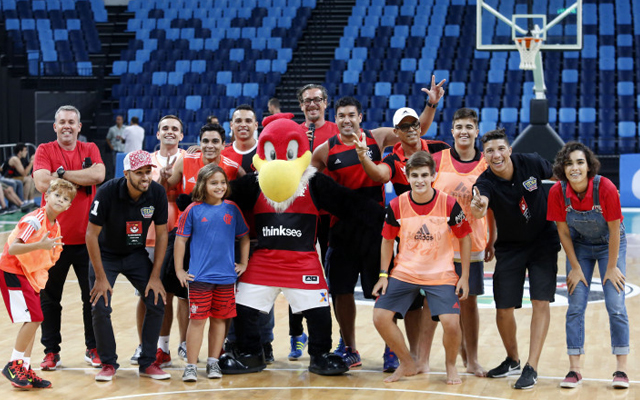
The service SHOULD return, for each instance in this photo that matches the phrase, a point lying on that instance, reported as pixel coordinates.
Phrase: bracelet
(432, 105)
(383, 275)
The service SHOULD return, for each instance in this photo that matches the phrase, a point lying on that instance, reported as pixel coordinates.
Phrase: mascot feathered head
(282, 160)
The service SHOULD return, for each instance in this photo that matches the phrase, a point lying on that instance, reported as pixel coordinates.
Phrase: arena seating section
(200, 57)
(57, 35)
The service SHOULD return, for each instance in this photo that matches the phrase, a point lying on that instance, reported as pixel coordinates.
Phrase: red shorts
(208, 300)
(22, 302)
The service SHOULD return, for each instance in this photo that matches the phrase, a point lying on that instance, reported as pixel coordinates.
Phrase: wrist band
(383, 275)
(432, 105)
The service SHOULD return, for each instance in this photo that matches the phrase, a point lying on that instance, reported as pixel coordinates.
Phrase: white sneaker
(213, 370)
(190, 374)
(136, 355)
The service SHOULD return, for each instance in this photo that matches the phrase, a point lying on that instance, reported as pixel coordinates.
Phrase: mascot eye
(269, 151)
(292, 150)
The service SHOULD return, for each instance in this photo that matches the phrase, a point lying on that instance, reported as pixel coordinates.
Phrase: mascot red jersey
(286, 199)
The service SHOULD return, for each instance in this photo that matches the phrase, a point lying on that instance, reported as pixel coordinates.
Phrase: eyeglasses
(407, 127)
(316, 100)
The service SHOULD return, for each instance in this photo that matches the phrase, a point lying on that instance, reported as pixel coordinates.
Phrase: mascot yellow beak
(279, 179)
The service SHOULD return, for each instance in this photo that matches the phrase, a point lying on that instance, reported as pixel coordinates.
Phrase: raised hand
(361, 146)
(47, 243)
(478, 201)
(435, 92)
(166, 172)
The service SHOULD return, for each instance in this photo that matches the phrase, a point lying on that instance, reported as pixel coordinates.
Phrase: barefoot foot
(477, 370)
(403, 370)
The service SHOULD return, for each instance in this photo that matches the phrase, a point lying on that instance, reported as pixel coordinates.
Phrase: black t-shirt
(125, 222)
(520, 205)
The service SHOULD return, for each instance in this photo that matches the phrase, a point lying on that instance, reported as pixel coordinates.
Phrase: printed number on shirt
(94, 210)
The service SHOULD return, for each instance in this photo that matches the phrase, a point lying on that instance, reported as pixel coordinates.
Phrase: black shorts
(476, 277)
(344, 265)
(539, 259)
(169, 278)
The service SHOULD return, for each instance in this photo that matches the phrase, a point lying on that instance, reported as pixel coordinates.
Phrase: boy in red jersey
(32, 248)
(424, 262)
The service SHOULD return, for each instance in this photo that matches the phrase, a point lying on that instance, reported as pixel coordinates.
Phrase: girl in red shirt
(586, 208)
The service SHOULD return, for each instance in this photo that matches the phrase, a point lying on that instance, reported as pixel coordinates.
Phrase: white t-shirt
(133, 137)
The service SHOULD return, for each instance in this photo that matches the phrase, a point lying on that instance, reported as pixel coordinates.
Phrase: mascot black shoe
(241, 363)
(328, 364)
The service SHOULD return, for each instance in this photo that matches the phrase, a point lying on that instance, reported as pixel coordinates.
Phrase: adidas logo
(192, 180)
(337, 162)
(423, 233)
(456, 305)
(204, 219)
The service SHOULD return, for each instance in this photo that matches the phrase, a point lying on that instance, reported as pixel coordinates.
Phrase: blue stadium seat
(193, 103)
(383, 89)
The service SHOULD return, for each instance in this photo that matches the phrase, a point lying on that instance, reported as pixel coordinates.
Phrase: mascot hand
(183, 201)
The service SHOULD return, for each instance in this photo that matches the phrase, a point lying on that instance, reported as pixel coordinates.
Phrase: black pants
(136, 268)
(318, 325)
(51, 296)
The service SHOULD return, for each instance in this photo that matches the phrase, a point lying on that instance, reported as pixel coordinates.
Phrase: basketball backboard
(499, 22)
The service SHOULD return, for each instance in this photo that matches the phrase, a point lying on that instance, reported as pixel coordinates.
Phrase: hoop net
(528, 47)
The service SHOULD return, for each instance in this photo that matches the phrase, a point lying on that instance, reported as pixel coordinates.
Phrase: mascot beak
(279, 179)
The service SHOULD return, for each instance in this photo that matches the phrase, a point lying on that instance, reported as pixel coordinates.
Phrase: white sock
(26, 361)
(163, 343)
(192, 365)
(17, 355)
(211, 360)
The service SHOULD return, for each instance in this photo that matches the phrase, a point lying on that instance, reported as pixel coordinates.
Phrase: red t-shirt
(392, 225)
(50, 156)
(322, 134)
(609, 201)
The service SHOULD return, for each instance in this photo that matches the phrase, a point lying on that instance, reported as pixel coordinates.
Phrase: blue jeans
(587, 255)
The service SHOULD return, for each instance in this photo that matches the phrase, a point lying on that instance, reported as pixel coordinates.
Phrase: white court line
(352, 371)
(473, 396)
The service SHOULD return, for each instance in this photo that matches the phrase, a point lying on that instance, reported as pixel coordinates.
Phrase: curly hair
(563, 156)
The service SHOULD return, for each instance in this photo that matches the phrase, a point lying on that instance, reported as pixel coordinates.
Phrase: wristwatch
(60, 171)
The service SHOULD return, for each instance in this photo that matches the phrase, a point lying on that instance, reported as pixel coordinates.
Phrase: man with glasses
(313, 101)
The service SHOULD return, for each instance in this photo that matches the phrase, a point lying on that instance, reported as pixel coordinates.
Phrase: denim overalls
(590, 236)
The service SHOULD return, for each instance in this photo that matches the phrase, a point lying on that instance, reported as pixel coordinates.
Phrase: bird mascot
(285, 200)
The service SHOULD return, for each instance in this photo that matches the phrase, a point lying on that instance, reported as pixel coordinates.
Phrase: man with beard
(119, 221)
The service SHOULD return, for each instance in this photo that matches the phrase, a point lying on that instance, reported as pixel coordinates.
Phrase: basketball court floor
(290, 379)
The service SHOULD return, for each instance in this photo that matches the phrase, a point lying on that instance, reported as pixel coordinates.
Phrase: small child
(212, 223)
(32, 248)
(424, 261)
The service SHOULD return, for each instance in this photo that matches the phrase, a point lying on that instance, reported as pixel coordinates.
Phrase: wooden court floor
(290, 380)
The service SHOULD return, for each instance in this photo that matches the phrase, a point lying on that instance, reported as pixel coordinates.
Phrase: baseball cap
(137, 159)
(403, 112)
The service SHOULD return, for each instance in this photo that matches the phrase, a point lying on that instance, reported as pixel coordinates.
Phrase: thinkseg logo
(268, 231)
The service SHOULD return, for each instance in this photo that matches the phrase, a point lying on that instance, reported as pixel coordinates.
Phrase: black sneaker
(36, 381)
(268, 353)
(507, 368)
(528, 378)
(17, 375)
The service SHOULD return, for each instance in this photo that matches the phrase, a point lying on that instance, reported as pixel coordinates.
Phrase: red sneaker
(91, 356)
(51, 362)
(163, 359)
(154, 371)
(106, 374)
(620, 380)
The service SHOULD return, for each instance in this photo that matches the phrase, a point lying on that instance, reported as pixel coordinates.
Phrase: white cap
(403, 112)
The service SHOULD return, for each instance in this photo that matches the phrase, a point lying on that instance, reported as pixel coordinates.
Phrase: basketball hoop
(528, 47)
